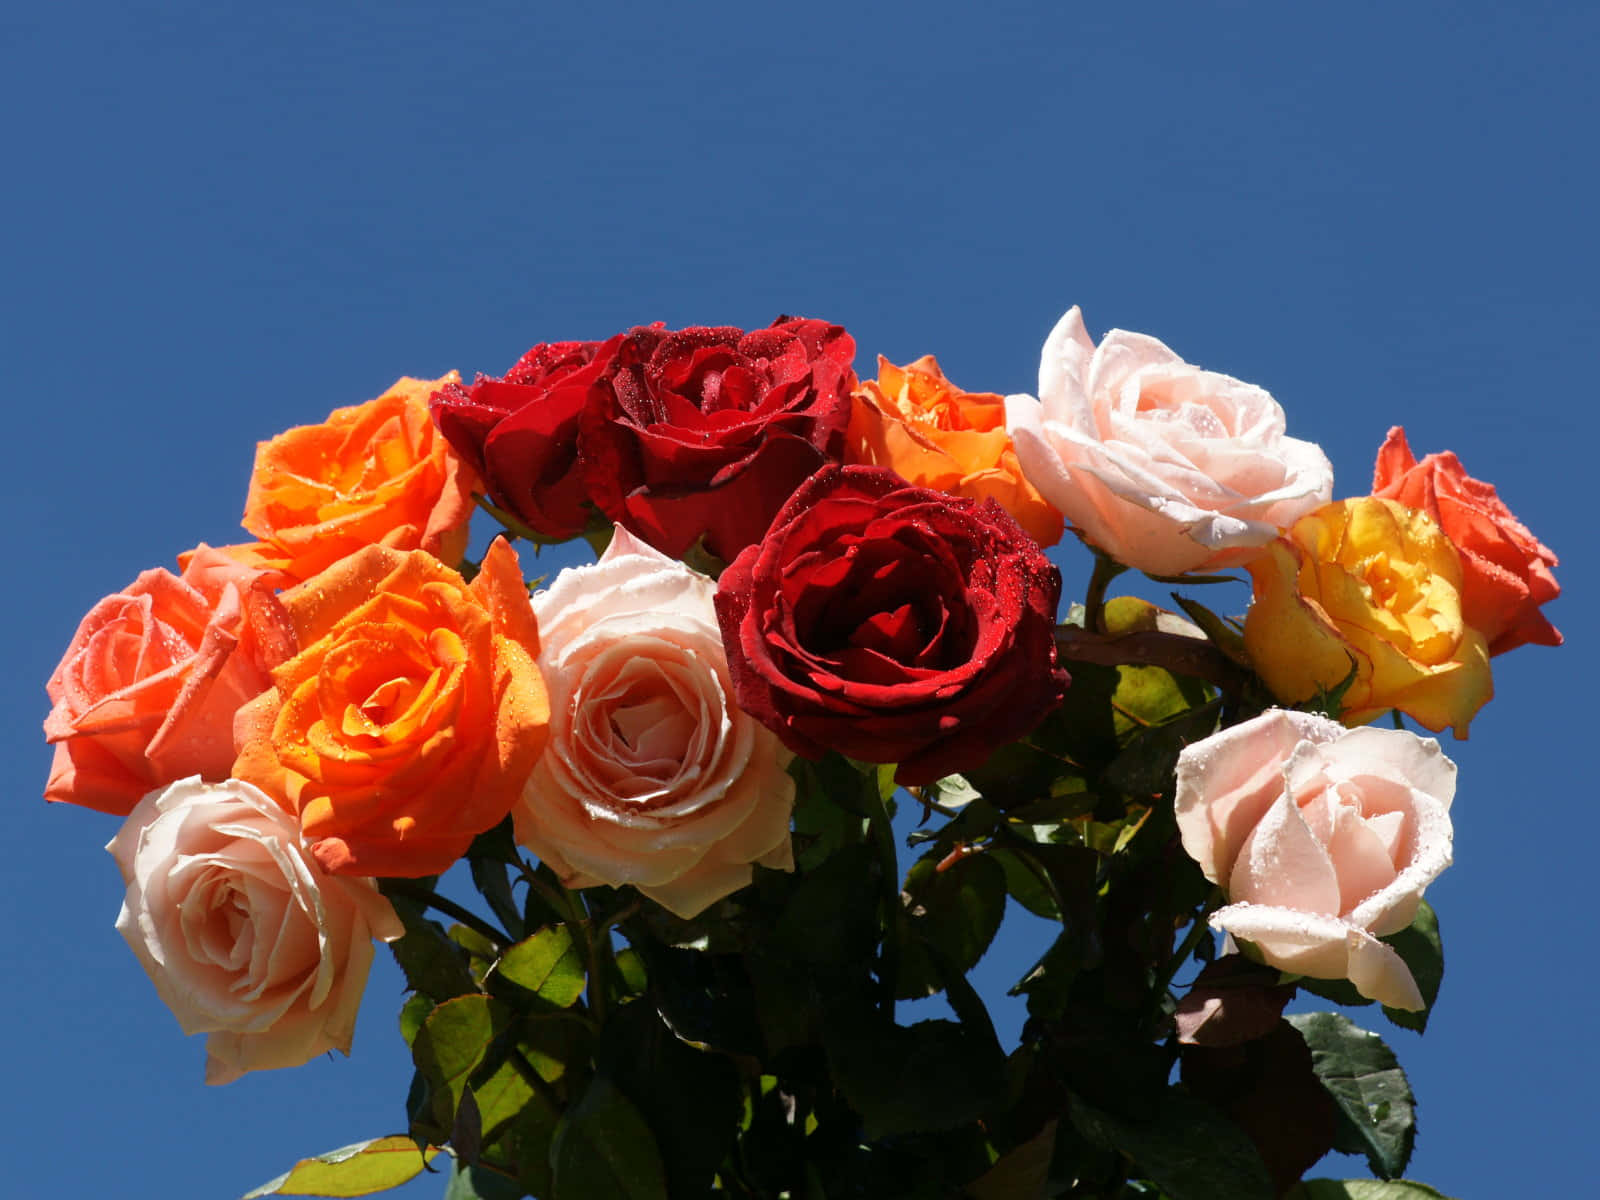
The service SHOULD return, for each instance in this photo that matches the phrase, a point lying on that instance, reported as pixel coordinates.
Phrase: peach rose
(244, 936)
(412, 715)
(377, 473)
(652, 776)
(1323, 839)
(1505, 570)
(928, 431)
(148, 687)
(1161, 465)
(1373, 585)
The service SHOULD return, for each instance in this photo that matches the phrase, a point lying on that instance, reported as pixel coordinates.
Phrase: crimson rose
(710, 430)
(520, 432)
(894, 624)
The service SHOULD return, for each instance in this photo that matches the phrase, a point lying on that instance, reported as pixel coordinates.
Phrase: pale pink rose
(146, 692)
(1323, 839)
(244, 936)
(651, 775)
(1164, 466)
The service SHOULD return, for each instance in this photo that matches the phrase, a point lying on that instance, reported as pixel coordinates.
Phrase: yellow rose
(1376, 584)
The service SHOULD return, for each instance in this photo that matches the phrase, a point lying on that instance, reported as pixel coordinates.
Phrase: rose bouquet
(817, 604)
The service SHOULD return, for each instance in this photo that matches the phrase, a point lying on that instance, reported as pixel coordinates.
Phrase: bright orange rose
(377, 473)
(1505, 570)
(928, 431)
(1371, 583)
(412, 717)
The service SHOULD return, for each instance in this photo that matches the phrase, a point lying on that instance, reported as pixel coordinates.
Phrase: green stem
(889, 865)
(426, 896)
(1106, 569)
(1198, 928)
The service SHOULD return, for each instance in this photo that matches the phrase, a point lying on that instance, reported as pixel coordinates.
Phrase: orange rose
(377, 473)
(146, 691)
(412, 717)
(1505, 570)
(928, 431)
(1371, 584)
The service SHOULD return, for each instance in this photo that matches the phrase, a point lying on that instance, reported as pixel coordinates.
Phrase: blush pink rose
(1323, 839)
(147, 689)
(243, 934)
(652, 776)
(1163, 466)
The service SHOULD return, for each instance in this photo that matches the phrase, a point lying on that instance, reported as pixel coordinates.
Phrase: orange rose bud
(412, 717)
(931, 433)
(1505, 570)
(377, 473)
(1371, 584)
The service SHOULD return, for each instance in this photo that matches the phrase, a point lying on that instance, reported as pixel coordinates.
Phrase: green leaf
(1186, 1147)
(957, 911)
(356, 1170)
(1366, 1082)
(1024, 883)
(1145, 768)
(433, 965)
(480, 1183)
(1020, 1174)
(451, 1044)
(604, 1148)
(1423, 951)
(548, 964)
(412, 1014)
(953, 791)
(932, 1076)
(1362, 1189)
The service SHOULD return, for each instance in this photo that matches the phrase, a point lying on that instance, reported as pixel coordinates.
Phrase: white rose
(243, 935)
(1322, 837)
(1164, 466)
(652, 776)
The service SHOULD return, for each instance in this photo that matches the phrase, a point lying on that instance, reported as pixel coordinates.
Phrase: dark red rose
(893, 624)
(521, 431)
(712, 429)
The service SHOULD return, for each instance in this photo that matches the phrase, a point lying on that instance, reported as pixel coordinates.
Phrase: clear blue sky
(225, 220)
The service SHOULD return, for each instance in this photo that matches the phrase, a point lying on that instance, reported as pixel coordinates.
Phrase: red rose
(893, 624)
(712, 429)
(520, 432)
(1505, 570)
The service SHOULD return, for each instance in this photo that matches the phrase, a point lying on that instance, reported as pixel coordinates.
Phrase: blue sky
(224, 221)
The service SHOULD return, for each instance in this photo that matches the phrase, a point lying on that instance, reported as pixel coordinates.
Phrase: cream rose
(651, 776)
(1323, 839)
(1164, 466)
(244, 936)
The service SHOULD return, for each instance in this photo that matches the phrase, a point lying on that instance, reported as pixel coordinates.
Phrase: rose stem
(1106, 569)
(889, 865)
(1197, 929)
(412, 890)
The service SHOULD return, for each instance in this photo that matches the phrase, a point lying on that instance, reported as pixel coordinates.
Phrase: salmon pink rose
(148, 687)
(1323, 838)
(242, 933)
(707, 431)
(520, 432)
(1371, 587)
(1165, 467)
(412, 715)
(1505, 570)
(652, 776)
(917, 423)
(377, 473)
(893, 624)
